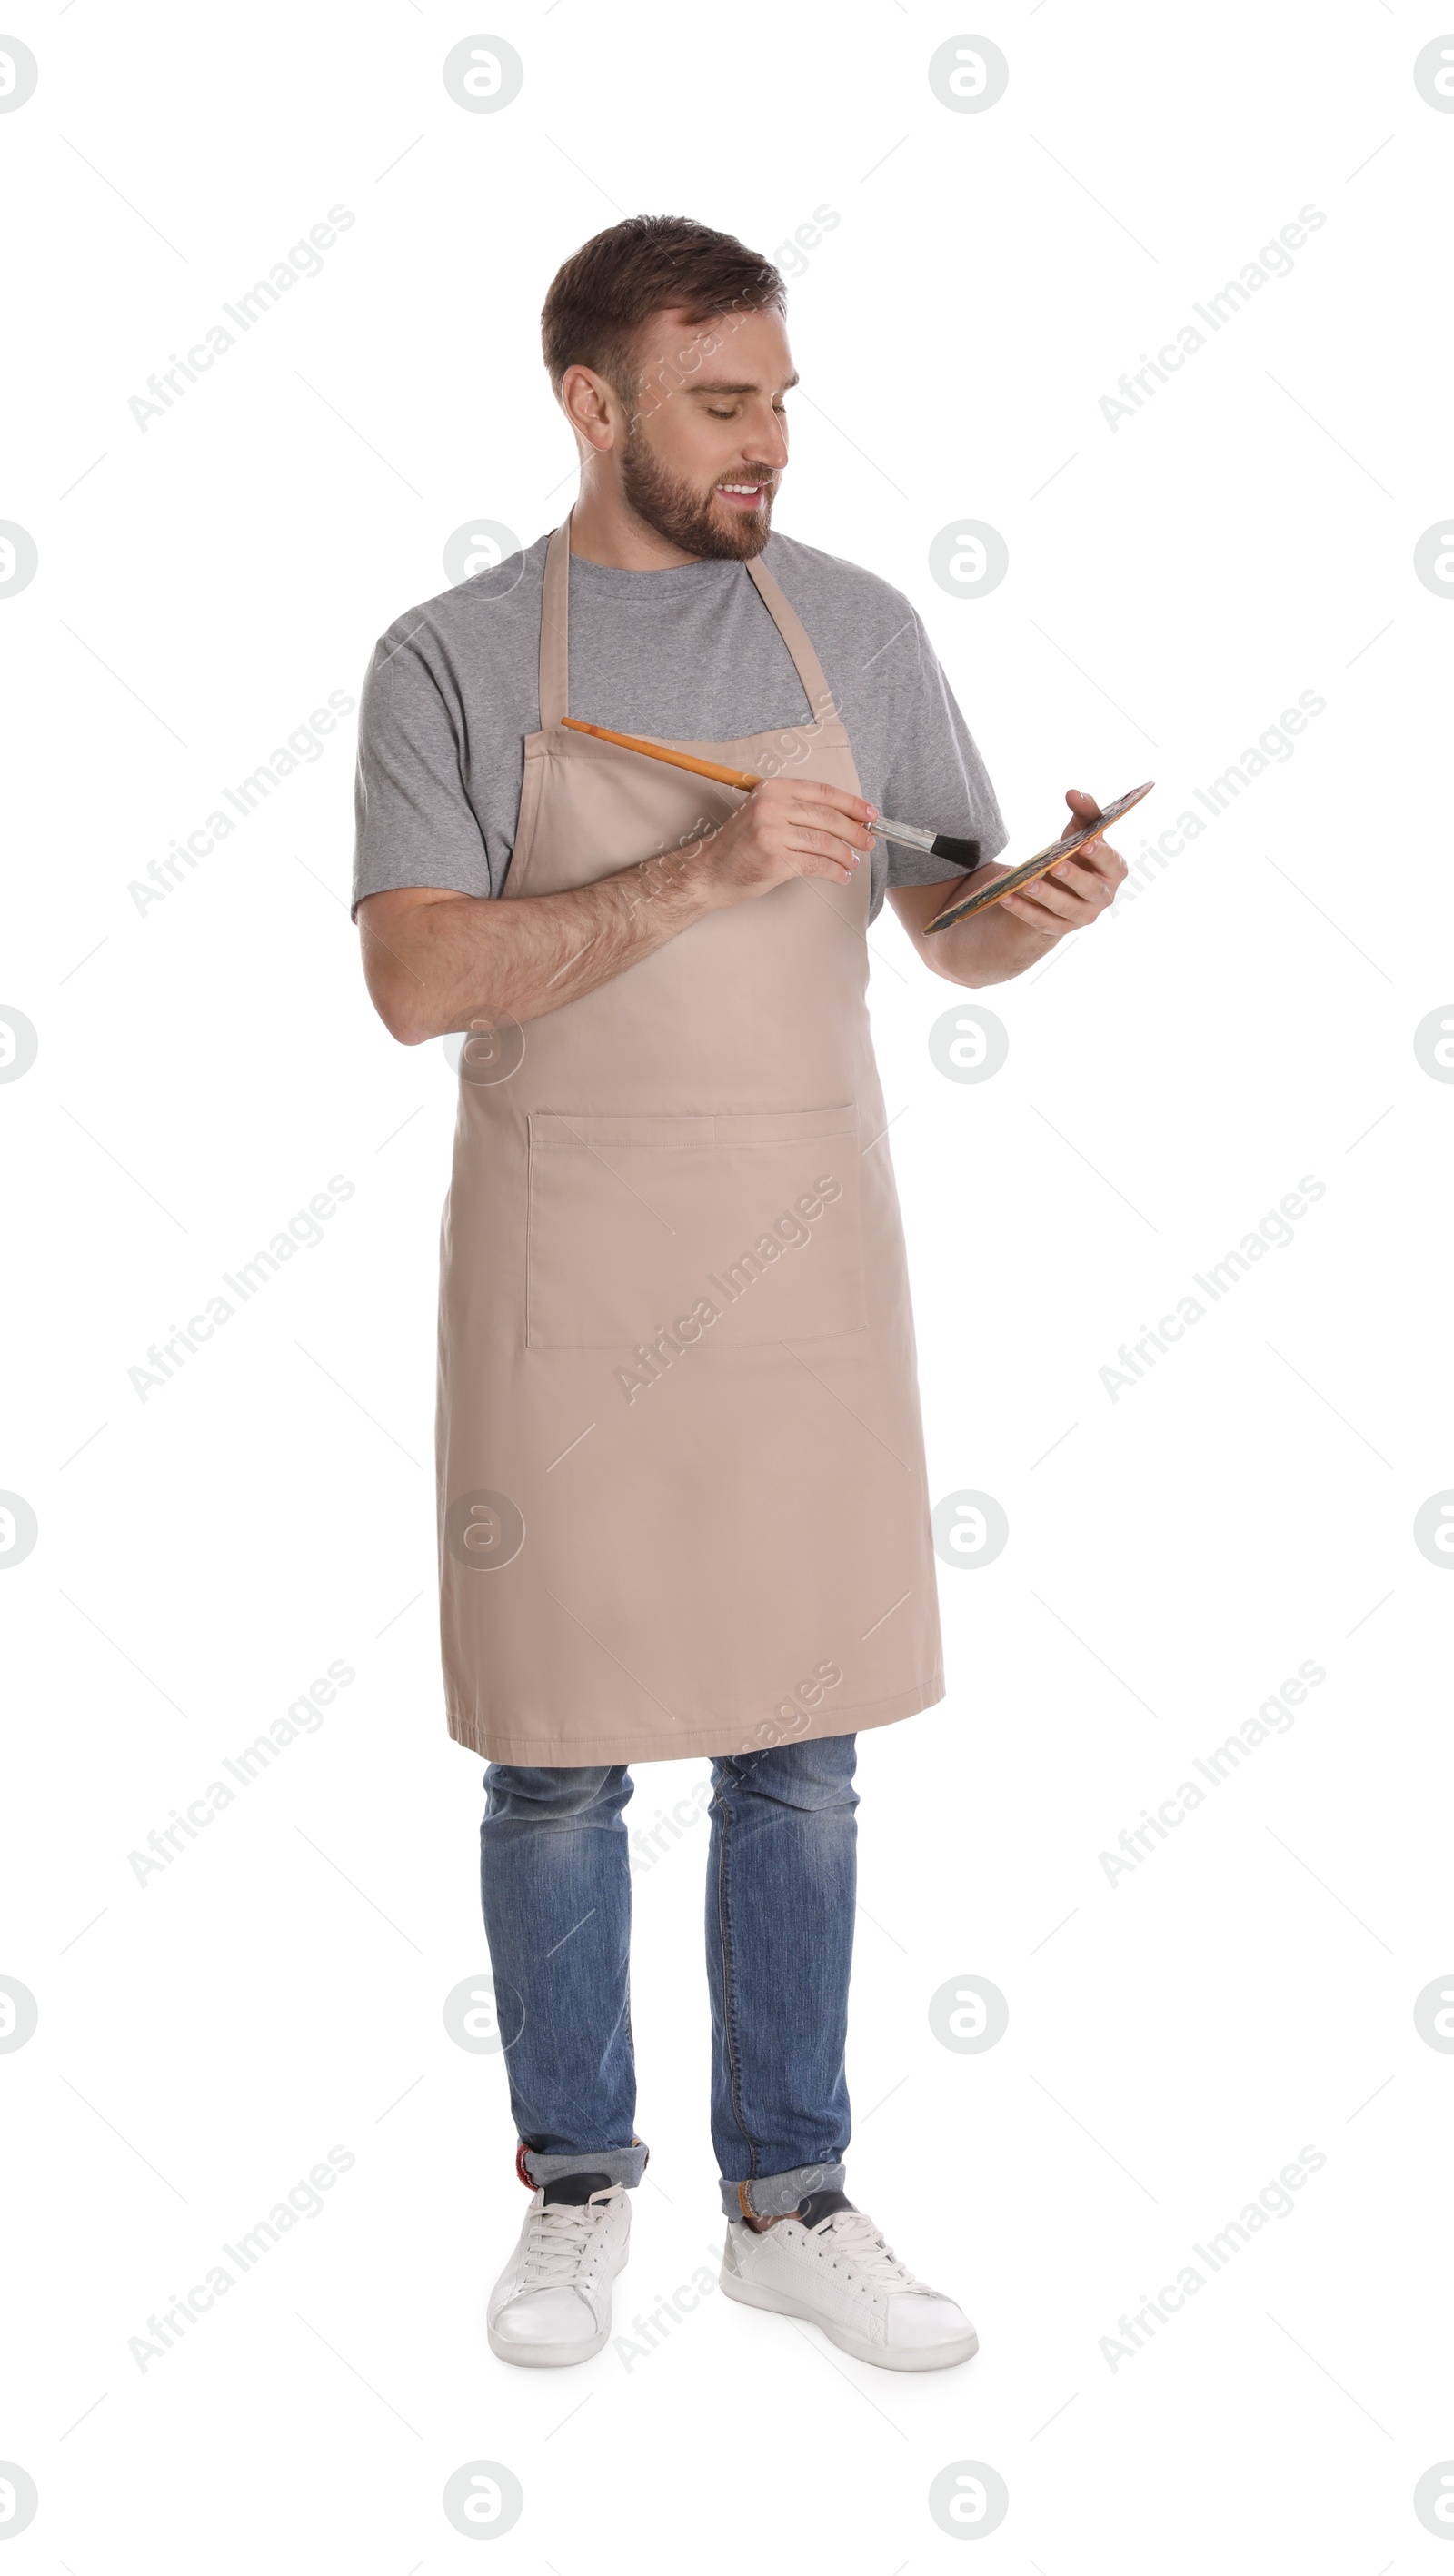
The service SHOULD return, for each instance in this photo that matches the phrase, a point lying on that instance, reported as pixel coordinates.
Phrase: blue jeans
(555, 1886)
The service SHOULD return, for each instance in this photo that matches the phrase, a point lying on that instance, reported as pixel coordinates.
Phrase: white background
(206, 1066)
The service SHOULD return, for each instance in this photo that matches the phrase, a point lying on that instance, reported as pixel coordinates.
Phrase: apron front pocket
(723, 1230)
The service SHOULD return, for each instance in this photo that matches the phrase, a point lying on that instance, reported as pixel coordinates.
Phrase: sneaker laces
(559, 2238)
(865, 2248)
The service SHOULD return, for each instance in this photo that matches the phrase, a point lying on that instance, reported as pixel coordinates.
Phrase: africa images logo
(1274, 260)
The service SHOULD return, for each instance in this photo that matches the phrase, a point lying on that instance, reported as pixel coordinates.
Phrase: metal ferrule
(909, 833)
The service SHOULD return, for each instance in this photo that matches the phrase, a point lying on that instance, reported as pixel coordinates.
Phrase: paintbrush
(935, 845)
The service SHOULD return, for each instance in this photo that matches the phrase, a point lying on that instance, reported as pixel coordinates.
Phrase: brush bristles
(960, 854)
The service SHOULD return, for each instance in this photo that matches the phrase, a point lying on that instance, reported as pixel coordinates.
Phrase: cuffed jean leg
(781, 1890)
(555, 1890)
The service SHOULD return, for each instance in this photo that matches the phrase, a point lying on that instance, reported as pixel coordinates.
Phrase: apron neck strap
(795, 635)
(555, 634)
(554, 631)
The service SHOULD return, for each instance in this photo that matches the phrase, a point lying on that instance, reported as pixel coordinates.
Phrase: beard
(687, 518)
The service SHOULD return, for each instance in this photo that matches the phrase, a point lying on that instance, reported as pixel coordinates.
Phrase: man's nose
(773, 448)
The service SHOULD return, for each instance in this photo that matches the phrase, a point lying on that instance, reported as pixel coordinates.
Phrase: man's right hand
(787, 827)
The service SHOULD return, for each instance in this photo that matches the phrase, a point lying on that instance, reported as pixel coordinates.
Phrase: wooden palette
(1072, 839)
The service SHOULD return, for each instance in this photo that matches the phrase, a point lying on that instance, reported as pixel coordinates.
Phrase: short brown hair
(603, 293)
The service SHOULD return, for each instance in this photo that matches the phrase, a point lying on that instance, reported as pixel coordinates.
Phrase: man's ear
(588, 403)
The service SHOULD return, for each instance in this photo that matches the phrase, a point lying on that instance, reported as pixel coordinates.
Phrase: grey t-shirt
(690, 653)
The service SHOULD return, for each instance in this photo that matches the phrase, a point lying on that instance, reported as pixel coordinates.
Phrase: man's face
(707, 441)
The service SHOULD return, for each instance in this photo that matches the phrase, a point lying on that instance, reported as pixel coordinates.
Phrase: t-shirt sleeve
(414, 822)
(934, 775)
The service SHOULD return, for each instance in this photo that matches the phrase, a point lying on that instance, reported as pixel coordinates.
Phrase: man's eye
(720, 415)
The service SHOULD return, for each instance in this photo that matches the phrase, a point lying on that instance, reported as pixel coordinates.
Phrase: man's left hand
(989, 947)
(1077, 890)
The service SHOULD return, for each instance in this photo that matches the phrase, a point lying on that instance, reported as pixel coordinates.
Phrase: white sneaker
(552, 2302)
(843, 2277)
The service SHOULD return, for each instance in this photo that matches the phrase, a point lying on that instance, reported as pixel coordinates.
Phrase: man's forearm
(990, 947)
(987, 947)
(439, 966)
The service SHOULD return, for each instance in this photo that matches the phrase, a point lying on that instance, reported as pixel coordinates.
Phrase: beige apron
(682, 1500)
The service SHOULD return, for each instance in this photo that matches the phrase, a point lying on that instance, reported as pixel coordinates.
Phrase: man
(681, 1487)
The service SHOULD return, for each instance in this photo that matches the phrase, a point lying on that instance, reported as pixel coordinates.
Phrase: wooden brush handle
(679, 759)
